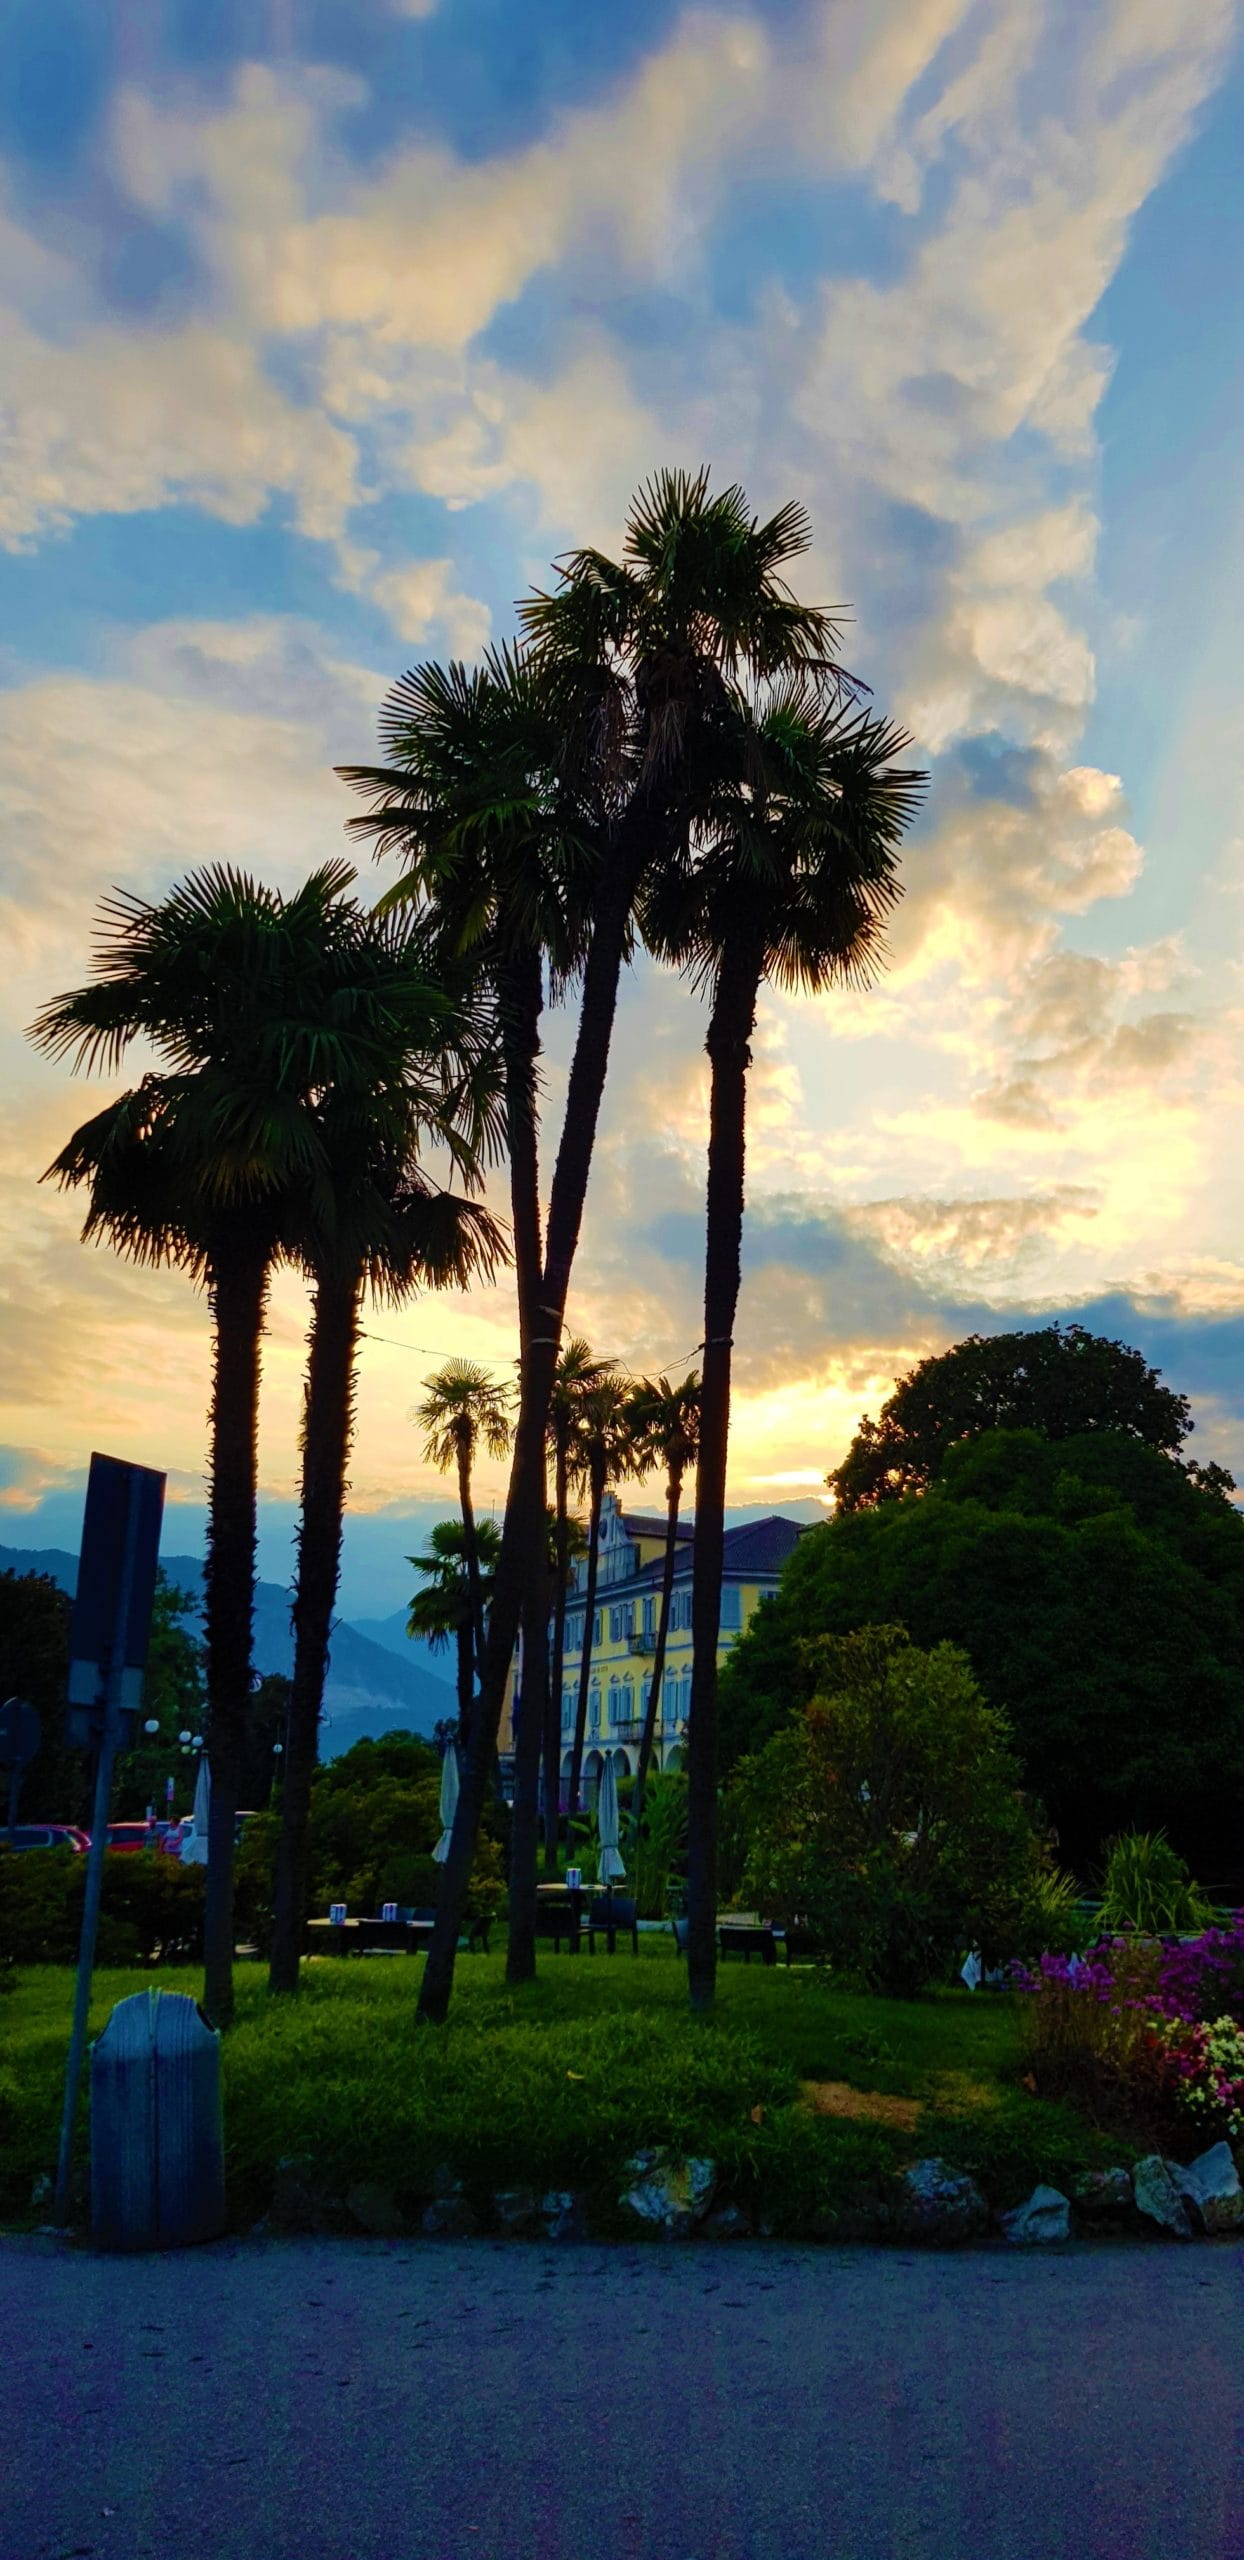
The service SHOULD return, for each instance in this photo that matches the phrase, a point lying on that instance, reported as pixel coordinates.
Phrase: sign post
(108, 1638)
(20, 1736)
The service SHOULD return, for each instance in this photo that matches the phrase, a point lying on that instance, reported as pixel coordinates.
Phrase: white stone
(669, 2194)
(1158, 2198)
(938, 2206)
(1045, 2218)
(1211, 2189)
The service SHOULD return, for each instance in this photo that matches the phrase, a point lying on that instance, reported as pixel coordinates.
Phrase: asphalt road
(368, 2400)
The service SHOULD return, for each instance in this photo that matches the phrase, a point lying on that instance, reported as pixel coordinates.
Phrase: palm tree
(602, 1453)
(665, 1428)
(378, 1227)
(578, 1369)
(792, 882)
(561, 774)
(463, 1406)
(443, 1609)
(243, 993)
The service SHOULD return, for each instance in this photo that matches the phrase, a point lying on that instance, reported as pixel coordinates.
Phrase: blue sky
(327, 325)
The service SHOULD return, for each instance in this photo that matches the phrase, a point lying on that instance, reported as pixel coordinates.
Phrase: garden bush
(1142, 2035)
(1147, 1886)
(151, 1907)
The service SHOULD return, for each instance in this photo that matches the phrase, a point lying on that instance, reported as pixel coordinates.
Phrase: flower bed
(1143, 2032)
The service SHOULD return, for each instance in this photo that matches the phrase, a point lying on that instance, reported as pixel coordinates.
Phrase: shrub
(1147, 1886)
(889, 1816)
(1137, 2034)
(151, 1906)
(660, 1847)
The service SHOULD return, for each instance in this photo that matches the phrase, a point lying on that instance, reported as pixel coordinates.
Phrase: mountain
(391, 1633)
(370, 1689)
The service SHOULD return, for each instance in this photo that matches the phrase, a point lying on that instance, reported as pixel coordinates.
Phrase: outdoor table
(564, 1899)
(747, 1937)
(363, 1936)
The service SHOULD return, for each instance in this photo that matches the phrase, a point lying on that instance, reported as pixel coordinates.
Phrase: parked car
(45, 1835)
(132, 1836)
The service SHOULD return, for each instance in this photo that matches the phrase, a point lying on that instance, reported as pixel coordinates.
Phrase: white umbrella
(609, 1865)
(194, 1846)
(449, 1804)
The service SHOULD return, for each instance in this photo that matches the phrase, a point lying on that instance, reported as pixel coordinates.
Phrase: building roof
(757, 1550)
(650, 1524)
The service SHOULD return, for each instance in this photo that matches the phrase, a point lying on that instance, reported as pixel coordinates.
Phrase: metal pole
(112, 1685)
(15, 1782)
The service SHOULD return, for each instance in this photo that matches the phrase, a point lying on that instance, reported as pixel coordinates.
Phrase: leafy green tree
(792, 881)
(174, 1698)
(888, 1814)
(34, 1664)
(1056, 1379)
(665, 1432)
(585, 759)
(1099, 1597)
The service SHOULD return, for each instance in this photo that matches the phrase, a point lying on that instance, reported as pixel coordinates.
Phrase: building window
(574, 1635)
(731, 1605)
(619, 1622)
(684, 1697)
(567, 1709)
(596, 1630)
(669, 1698)
(594, 1710)
(628, 1702)
(650, 1614)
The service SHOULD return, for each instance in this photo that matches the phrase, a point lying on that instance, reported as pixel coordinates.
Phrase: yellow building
(628, 1607)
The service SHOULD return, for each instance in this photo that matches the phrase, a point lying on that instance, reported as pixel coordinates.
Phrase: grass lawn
(556, 2084)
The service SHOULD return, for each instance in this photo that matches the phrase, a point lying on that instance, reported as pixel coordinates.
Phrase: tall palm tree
(578, 1370)
(379, 1228)
(602, 1453)
(581, 758)
(462, 1407)
(665, 1430)
(443, 1609)
(792, 882)
(246, 996)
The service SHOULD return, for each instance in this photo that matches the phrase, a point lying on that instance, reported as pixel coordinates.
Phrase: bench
(747, 1938)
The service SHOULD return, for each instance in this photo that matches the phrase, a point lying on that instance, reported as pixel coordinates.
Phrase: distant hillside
(370, 1688)
(391, 1633)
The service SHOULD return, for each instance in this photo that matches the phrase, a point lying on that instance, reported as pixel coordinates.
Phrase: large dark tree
(790, 882)
(577, 766)
(1099, 1596)
(1057, 1379)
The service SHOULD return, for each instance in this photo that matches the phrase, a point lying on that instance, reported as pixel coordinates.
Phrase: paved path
(360, 2400)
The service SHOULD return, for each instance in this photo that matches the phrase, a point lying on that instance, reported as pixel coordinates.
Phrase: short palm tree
(463, 1409)
(443, 1609)
(247, 997)
(602, 1453)
(586, 767)
(665, 1431)
(791, 882)
(578, 1370)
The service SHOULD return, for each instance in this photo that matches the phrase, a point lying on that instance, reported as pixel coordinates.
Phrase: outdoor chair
(747, 1938)
(612, 1916)
(558, 1920)
(682, 1931)
(477, 1930)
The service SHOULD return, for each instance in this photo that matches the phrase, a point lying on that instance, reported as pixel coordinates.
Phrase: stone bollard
(157, 2147)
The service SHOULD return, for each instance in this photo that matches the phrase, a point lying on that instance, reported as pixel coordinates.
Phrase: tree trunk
(239, 1287)
(523, 1534)
(729, 1035)
(465, 1643)
(648, 1739)
(327, 1431)
(553, 1708)
(470, 1549)
(585, 1667)
(520, 1963)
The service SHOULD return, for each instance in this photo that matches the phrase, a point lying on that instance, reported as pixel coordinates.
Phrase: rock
(516, 2211)
(1211, 2190)
(937, 2207)
(563, 2216)
(726, 2222)
(1158, 2199)
(449, 2218)
(446, 2181)
(668, 2194)
(1104, 2195)
(375, 2208)
(302, 2201)
(41, 2192)
(1045, 2219)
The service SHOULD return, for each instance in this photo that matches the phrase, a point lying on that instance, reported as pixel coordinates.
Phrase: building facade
(628, 1608)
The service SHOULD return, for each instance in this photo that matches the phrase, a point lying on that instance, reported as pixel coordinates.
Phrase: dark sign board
(111, 1624)
(20, 1733)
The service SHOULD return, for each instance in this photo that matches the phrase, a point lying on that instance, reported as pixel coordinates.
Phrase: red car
(134, 1835)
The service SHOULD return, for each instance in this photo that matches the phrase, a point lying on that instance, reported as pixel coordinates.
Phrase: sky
(328, 324)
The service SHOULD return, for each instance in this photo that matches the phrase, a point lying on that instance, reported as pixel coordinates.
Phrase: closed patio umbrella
(609, 1865)
(194, 1846)
(449, 1804)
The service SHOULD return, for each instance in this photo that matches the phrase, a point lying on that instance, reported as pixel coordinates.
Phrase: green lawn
(557, 2084)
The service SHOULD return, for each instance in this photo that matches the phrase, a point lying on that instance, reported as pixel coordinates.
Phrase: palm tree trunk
(553, 1707)
(729, 1036)
(327, 1433)
(465, 1642)
(585, 1667)
(648, 1738)
(523, 1534)
(470, 1549)
(239, 1287)
(520, 1962)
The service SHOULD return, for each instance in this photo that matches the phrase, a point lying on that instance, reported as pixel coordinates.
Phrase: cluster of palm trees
(604, 1428)
(669, 756)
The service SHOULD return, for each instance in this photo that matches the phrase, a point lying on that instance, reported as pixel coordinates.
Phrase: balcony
(641, 1644)
(627, 1729)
